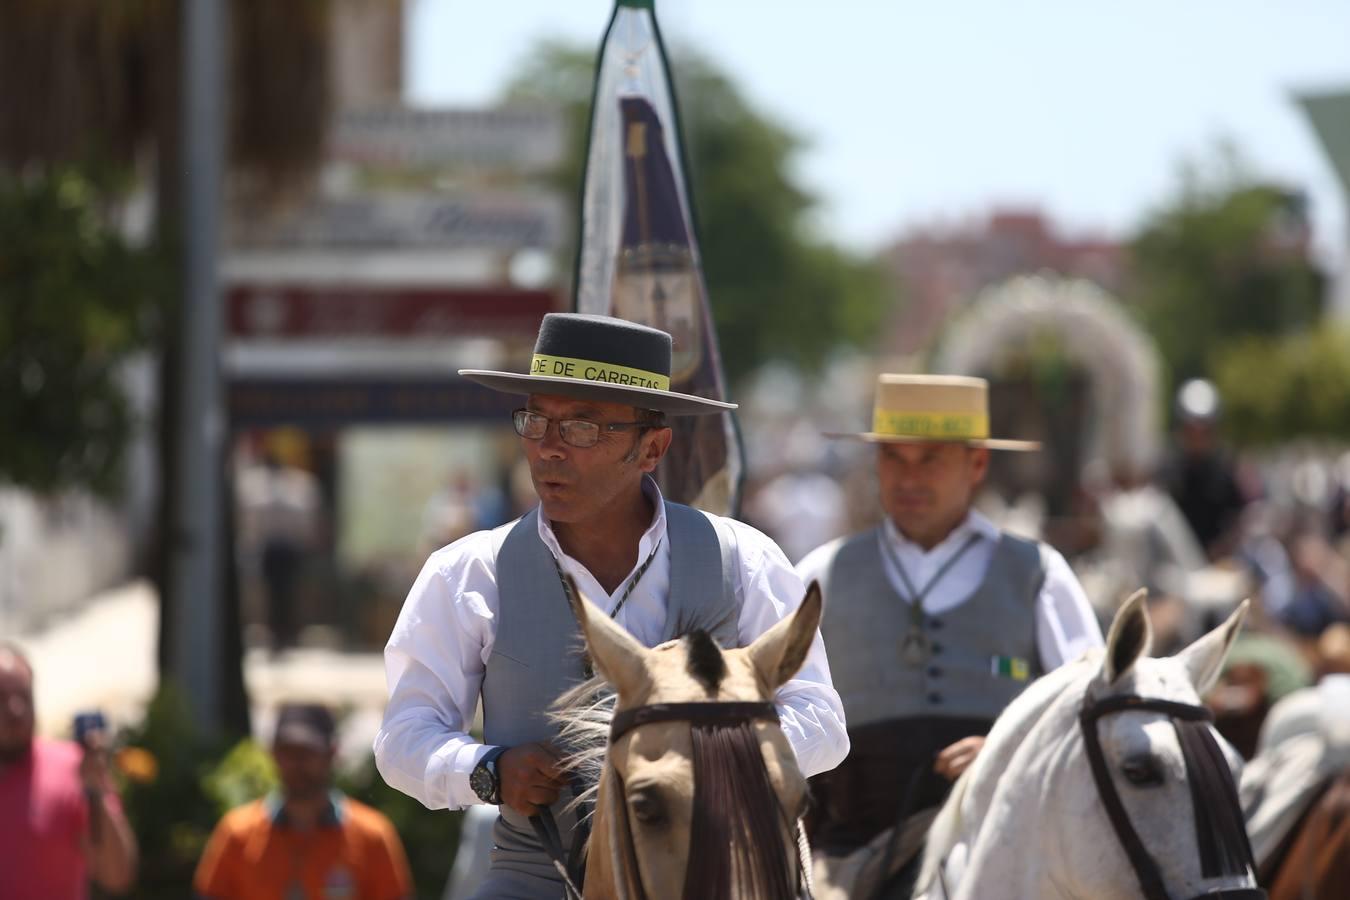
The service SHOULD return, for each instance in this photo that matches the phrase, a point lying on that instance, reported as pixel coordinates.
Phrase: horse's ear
(778, 653)
(1204, 659)
(1130, 637)
(617, 654)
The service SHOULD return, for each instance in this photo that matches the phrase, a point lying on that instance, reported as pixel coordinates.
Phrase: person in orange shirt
(307, 841)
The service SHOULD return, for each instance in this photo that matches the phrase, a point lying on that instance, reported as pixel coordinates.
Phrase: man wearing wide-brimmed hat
(488, 616)
(935, 619)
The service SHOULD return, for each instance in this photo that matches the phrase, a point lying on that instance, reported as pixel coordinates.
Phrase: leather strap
(702, 713)
(1145, 867)
(546, 829)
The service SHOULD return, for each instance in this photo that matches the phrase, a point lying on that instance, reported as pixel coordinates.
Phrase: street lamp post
(195, 581)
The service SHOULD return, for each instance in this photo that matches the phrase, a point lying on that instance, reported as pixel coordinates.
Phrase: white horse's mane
(1051, 692)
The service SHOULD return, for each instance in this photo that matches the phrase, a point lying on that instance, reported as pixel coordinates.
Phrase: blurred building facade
(936, 270)
(425, 242)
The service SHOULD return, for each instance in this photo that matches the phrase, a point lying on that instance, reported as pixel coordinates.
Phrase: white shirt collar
(655, 531)
(974, 523)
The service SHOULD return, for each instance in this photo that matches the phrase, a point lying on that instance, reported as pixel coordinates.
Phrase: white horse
(1032, 819)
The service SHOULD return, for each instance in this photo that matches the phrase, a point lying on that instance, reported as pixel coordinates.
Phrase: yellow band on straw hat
(933, 408)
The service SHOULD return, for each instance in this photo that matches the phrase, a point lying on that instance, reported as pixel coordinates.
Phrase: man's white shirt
(437, 653)
(1065, 622)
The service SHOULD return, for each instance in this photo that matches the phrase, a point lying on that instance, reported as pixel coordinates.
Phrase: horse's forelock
(1220, 831)
(704, 661)
(739, 841)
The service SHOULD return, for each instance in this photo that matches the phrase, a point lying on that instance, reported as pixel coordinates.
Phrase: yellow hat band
(941, 426)
(590, 370)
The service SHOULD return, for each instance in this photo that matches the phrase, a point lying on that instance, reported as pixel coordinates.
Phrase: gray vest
(537, 652)
(978, 649)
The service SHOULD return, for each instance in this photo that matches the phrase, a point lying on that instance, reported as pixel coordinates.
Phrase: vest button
(936, 648)
(935, 698)
(935, 671)
(935, 624)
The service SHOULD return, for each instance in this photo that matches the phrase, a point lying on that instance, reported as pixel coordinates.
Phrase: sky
(934, 114)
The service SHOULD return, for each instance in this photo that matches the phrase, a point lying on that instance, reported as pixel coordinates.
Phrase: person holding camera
(60, 813)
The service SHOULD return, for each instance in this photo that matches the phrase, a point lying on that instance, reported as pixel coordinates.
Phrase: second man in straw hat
(936, 619)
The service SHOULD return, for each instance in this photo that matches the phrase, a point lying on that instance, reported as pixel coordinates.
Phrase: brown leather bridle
(1145, 867)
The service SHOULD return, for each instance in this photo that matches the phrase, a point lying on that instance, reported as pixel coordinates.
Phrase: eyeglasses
(576, 432)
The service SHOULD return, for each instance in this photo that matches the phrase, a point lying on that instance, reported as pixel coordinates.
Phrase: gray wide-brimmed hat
(600, 358)
(926, 409)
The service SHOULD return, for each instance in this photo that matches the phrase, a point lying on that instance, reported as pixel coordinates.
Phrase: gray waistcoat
(537, 652)
(978, 647)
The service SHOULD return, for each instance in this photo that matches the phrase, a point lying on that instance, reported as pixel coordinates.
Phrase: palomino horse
(1103, 780)
(699, 793)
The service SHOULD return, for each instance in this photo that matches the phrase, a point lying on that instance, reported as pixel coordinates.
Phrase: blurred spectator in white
(449, 514)
(1304, 744)
(1145, 533)
(280, 520)
(1143, 540)
(801, 507)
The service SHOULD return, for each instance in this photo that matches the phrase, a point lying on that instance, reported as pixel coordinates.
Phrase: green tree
(94, 85)
(1278, 389)
(78, 301)
(1228, 259)
(777, 290)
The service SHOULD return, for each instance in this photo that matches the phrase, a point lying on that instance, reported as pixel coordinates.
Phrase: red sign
(271, 311)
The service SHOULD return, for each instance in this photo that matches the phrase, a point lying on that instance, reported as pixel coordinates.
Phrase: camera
(87, 723)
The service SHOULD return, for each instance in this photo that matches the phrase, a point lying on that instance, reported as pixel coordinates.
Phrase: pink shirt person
(61, 822)
(44, 818)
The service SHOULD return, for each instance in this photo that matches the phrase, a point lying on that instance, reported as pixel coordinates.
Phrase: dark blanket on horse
(862, 796)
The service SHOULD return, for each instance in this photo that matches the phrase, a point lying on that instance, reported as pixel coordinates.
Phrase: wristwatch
(485, 780)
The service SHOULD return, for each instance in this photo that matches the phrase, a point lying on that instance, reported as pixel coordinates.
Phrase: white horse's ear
(617, 654)
(1130, 637)
(1204, 659)
(778, 653)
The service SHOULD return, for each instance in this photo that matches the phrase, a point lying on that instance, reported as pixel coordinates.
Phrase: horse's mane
(583, 715)
(1008, 735)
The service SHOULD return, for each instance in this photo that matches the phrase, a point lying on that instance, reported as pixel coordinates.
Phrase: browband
(700, 713)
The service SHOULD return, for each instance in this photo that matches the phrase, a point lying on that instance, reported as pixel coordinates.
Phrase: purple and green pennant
(637, 255)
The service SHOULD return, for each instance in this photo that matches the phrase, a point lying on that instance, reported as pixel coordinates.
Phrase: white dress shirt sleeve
(1065, 623)
(809, 708)
(434, 664)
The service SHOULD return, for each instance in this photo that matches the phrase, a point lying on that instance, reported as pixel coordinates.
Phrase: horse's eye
(1142, 771)
(648, 807)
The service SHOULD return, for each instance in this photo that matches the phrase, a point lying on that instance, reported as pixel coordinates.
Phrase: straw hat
(919, 409)
(600, 358)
